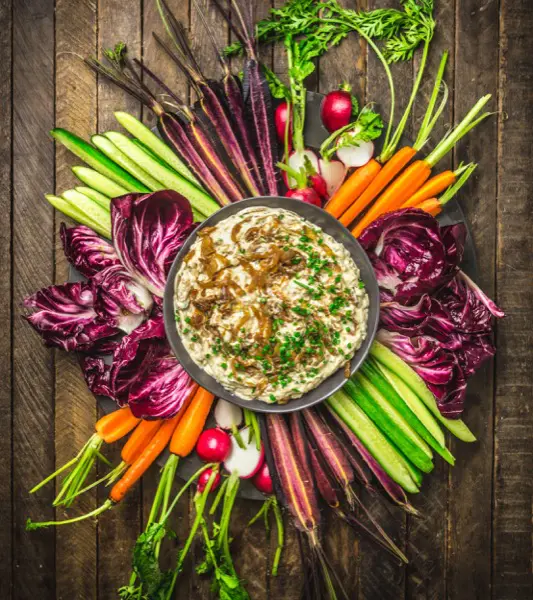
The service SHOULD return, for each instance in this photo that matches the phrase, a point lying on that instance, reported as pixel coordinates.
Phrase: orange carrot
(145, 460)
(190, 427)
(431, 206)
(139, 439)
(352, 188)
(390, 169)
(431, 188)
(396, 194)
(116, 424)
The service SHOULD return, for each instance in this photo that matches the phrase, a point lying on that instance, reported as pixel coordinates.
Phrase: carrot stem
(280, 531)
(31, 526)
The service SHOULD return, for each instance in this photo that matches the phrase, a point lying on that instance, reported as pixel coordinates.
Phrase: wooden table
(475, 537)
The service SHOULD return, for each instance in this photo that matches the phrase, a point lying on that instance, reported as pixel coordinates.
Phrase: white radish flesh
(297, 162)
(333, 172)
(356, 156)
(246, 461)
(228, 415)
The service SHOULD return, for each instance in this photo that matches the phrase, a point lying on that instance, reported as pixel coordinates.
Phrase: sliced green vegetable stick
(99, 182)
(375, 442)
(99, 198)
(417, 384)
(93, 210)
(156, 144)
(71, 210)
(415, 404)
(111, 151)
(97, 160)
(199, 199)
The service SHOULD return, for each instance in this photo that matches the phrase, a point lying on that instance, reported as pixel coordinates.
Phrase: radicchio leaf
(148, 230)
(118, 296)
(86, 251)
(144, 375)
(65, 317)
(411, 254)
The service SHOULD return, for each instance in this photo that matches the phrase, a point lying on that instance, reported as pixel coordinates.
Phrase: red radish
(337, 108)
(214, 445)
(281, 114)
(263, 481)
(227, 415)
(305, 195)
(334, 173)
(204, 478)
(246, 461)
(356, 156)
(318, 183)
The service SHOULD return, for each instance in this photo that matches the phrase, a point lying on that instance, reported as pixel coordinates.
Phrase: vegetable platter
(254, 135)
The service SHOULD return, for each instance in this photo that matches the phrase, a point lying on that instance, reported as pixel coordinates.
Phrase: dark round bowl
(330, 225)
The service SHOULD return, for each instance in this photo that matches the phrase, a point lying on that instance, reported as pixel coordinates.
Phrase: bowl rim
(323, 390)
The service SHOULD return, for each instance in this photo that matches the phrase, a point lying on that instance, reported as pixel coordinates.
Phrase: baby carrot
(434, 186)
(189, 429)
(139, 439)
(145, 460)
(116, 425)
(353, 187)
(389, 171)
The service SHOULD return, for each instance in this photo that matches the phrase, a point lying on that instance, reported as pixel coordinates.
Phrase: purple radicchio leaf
(411, 254)
(65, 317)
(120, 298)
(144, 375)
(86, 251)
(148, 230)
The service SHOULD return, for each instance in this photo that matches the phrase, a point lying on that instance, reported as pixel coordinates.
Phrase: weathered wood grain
(6, 313)
(469, 502)
(426, 536)
(513, 422)
(75, 406)
(33, 267)
(117, 529)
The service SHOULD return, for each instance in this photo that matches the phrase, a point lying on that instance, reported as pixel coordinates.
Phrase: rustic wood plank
(469, 530)
(75, 408)
(117, 529)
(6, 233)
(380, 576)
(33, 406)
(156, 58)
(426, 536)
(513, 489)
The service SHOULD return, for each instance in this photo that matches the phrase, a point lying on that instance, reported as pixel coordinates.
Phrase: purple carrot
(393, 490)
(257, 97)
(209, 101)
(310, 463)
(332, 452)
(200, 140)
(297, 488)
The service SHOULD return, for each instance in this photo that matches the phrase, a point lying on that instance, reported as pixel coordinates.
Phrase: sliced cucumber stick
(395, 364)
(389, 422)
(375, 442)
(373, 371)
(111, 151)
(99, 182)
(199, 199)
(156, 144)
(99, 198)
(97, 160)
(73, 211)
